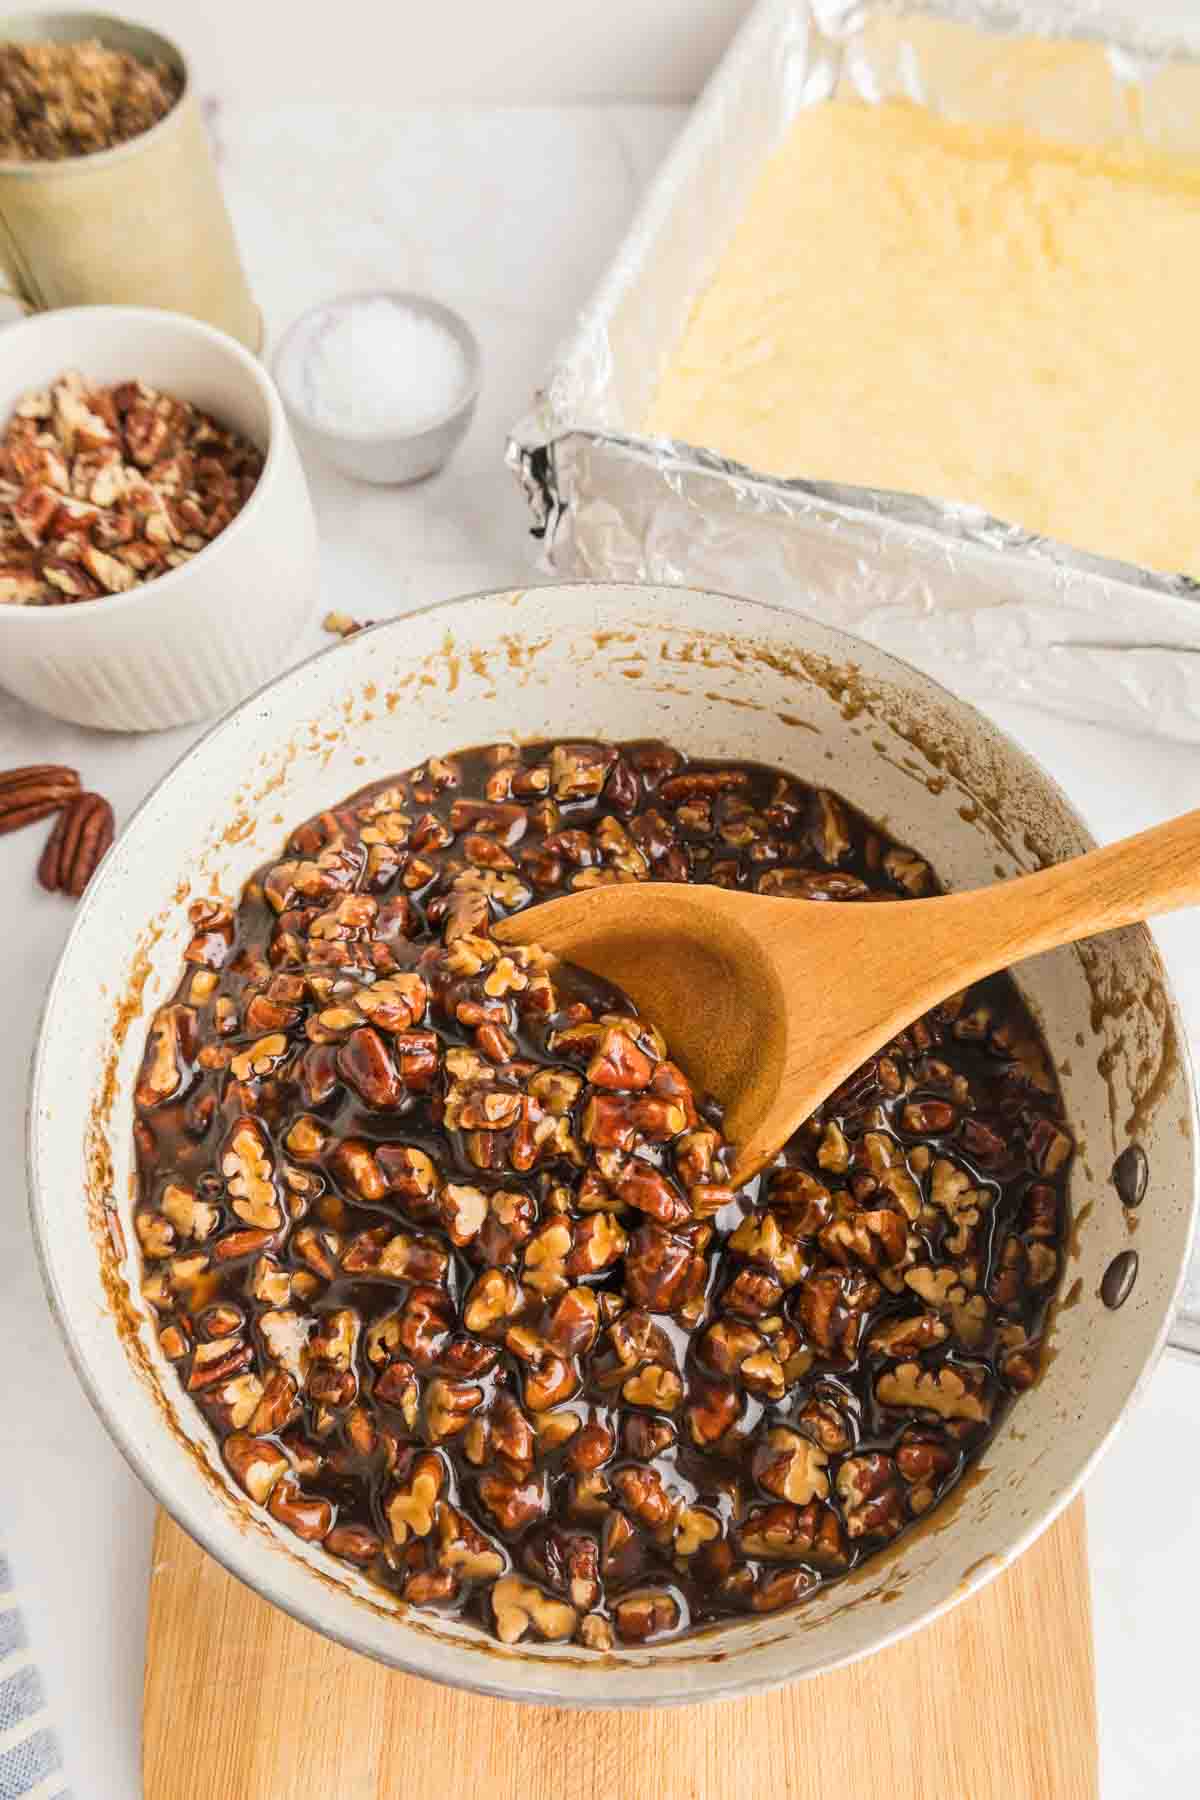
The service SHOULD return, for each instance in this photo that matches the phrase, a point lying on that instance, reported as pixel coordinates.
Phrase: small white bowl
(198, 639)
(386, 458)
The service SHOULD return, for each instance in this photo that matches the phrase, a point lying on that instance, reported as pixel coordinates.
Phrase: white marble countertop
(510, 216)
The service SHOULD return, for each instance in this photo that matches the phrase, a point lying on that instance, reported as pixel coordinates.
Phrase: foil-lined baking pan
(991, 609)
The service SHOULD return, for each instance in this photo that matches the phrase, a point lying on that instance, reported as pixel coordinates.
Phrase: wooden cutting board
(994, 1702)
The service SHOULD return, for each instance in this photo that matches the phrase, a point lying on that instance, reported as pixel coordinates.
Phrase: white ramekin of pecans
(157, 544)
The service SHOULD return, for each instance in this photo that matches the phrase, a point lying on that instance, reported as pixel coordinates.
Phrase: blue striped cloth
(30, 1759)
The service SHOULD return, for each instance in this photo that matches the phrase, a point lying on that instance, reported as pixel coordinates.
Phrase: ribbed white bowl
(201, 637)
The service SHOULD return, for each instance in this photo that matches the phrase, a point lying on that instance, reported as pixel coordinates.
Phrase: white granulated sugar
(376, 365)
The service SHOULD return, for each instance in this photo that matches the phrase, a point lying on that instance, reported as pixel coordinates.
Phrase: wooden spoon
(770, 1004)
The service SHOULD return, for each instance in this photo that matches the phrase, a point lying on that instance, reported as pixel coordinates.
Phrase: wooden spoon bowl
(770, 1004)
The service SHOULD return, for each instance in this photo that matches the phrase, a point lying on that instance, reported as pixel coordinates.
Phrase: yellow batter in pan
(971, 313)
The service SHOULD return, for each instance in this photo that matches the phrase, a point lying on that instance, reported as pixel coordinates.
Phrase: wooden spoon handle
(1134, 879)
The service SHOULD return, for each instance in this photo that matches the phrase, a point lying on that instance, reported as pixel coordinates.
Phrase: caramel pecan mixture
(104, 488)
(443, 1243)
(63, 100)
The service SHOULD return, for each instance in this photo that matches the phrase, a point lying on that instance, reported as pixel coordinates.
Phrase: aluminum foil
(986, 607)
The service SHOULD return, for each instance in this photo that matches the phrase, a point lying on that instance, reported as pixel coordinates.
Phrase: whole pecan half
(33, 793)
(80, 837)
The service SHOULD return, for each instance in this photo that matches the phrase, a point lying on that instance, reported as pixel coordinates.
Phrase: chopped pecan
(286, 1332)
(663, 1270)
(365, 1062)
(598, 1242)
(463, 1549)
(574, 1322)
(911, 1335)
(510, 1433)
(448, 1406)
(170, 1048)
(786, 1531)
(870, 1493)
(781, 1587)
(924, 1460)
(423, 1325)
(653, 1386)
(823, 1421)
(644, 1438)
(410, 1509)
(831, 1309)
(645, 1615)
(1049, 1146)
(354, 1543)
(310, 1516)
(619, 1063)
(651, 1193)
(249, 1177)
(513, 1501)
(791, 1466)
(257, 1464)
(694, 1528)
(591, 1446)
(644, 1495)
(579, 771)
(493, 1300)
(397, 1386)
(463, 1211)
(812, 884)
(409, 1171)
(714, 1408)
(761, 1238)
(354, 1164)
(519, 1606)
(396, 1003)
(548, 1378)
(950, 1392)
(553, 1429)
(831, 828)
(752, 1293)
